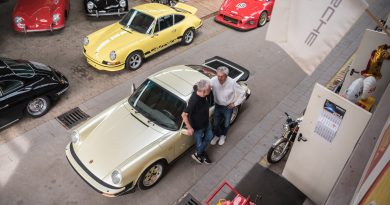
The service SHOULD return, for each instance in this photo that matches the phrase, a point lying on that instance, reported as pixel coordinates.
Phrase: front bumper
(101, 66)
(97, 184)
(110, 12)
(235, 23)
(38, 28)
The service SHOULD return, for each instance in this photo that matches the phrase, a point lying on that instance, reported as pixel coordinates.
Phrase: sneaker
(214, 140)
(222, 140)
(206, 159)
(197, 158)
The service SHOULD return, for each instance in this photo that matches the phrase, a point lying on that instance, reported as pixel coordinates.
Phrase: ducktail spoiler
(236, 71)
(186, 7)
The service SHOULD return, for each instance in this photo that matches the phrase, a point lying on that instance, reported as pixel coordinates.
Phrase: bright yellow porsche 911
(145, 30)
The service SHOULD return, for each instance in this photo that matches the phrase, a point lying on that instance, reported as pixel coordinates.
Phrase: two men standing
(227, 95)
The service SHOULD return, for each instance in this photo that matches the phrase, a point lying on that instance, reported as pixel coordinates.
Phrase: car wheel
(263, 19)
(134, 60)
(152, 175)
(188, 37)
(38, 106)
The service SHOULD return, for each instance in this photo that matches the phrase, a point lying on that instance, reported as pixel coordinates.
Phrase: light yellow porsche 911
(145, 30)
(131, 143)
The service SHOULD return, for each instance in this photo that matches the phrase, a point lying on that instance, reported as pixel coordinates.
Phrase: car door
(165, 32)
(11, 103)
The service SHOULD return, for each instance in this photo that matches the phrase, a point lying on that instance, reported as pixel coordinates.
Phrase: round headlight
(112, 55)
(286, 127)
(122, 3)
(56, 18)
(90, 5)
(75, 137)
(116, 177)
(85, 41)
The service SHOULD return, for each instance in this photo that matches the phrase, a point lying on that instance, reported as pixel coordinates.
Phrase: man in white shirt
(227, 95)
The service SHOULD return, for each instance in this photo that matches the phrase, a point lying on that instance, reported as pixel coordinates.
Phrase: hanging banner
(309, 30)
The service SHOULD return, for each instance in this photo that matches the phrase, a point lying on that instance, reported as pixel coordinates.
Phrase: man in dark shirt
(196, 119)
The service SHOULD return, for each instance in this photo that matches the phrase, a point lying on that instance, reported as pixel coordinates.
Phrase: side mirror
(132, 88)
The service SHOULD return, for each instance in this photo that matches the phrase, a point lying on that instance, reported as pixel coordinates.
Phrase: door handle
(5, 106)
(174, 30)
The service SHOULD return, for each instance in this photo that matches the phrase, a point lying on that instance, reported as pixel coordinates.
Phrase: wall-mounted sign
(329, 121)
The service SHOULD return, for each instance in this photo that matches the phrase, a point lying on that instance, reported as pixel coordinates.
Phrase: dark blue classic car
(27, 87)
(106, 7)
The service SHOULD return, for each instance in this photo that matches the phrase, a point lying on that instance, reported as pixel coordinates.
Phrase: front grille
(188, 199)
(231, 20)
(72, 117)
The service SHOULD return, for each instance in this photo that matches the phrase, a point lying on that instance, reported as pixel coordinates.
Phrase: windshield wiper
(130, 31)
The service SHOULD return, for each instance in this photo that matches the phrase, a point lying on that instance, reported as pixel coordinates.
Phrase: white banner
(309, 29)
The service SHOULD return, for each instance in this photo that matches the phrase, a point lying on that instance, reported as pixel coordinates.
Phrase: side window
(9, 86)
(178, 18)
(164, 22)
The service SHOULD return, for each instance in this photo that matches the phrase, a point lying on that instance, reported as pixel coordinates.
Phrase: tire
(134, 60)
(38, 106)
(263, 19)
(236, 111)
(274, 155)
(188, 37)
(152, 175)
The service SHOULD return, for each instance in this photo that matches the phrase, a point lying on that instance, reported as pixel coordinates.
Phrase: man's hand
(190, 131)
(231, 106)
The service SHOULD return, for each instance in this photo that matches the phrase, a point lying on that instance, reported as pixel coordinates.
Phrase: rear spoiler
(186, 7)
(237, 72)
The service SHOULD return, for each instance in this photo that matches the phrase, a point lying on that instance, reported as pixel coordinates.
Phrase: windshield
(158, 105)
(137, 21)
(19, 68)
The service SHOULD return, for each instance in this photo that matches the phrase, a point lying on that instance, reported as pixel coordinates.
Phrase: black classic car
(27, 87)
(106, 7)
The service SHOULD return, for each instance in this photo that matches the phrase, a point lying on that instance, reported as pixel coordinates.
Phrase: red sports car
(245, 14)
(40, 15)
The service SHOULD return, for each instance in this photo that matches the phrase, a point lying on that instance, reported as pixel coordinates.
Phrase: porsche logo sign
(241, 5)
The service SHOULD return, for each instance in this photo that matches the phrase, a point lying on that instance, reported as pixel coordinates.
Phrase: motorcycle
(166, 2)
(280, 148)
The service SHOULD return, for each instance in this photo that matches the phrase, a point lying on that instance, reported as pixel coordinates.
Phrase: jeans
(202, 139)
(222, 114)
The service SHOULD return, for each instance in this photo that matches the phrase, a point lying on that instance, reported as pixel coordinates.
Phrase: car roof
(178, 80)
(155, 9)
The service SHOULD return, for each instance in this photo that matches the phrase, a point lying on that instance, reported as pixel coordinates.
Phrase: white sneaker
(214, 140)
(222, 140)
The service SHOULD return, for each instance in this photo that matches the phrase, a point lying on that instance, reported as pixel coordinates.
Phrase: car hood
(39, 9)
(114, 39)
(116, 138)
(242, 7)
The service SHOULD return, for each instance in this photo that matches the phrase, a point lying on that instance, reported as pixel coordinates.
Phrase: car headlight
(112, 55)
(116, 177)
(85, 41)
(56, 18)
(75, 137)
(90, 5)
(122, 3)
(286, 127)
(19, 21)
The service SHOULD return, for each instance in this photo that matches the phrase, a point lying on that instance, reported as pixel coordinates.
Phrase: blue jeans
(202, 139)
(222, 114)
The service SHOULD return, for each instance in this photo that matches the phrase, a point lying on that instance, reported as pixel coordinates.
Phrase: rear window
(20, 69)
(204, 70)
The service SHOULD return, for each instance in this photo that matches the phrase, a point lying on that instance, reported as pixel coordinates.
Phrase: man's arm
(238, 90)
(190, 130)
